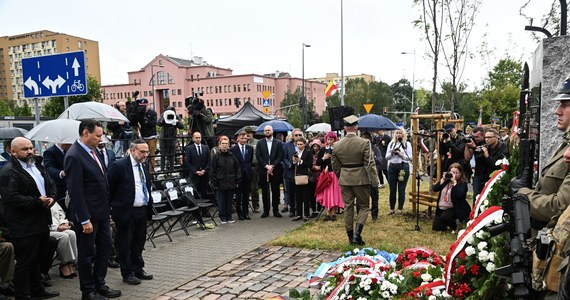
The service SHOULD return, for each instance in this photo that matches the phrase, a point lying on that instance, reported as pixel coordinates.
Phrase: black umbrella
(7, 133)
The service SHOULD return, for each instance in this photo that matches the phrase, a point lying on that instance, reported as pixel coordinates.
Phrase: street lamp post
(413, 80)
(152, 79)
(303, 97)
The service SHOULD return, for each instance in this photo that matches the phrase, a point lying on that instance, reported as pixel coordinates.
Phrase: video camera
(136, 111)
(467, 139)
(194, 104)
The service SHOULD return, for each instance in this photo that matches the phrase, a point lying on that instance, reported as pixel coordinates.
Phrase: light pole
(152, 83)
(413, 79)
(303, 98)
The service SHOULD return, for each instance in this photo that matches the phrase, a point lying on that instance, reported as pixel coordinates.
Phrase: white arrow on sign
(75, 67)
(50, 84)
(32, 85)
(59, 81)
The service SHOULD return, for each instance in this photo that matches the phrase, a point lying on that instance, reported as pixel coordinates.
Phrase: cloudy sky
(262, 36)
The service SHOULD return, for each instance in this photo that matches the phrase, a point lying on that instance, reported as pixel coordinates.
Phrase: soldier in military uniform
(552, 193)
(254, 188)
(353, 163)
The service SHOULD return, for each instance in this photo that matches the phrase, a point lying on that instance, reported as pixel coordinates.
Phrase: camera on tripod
(136, 111)
(194, 104)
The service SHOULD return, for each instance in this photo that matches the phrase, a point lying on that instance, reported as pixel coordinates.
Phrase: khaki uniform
(353, 163)
(552, 193)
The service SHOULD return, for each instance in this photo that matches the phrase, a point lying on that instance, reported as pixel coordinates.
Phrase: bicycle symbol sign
(54, 75)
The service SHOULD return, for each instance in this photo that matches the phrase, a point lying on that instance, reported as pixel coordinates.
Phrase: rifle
(527, 146)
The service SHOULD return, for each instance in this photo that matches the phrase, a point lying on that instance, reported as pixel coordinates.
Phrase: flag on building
(331, 88)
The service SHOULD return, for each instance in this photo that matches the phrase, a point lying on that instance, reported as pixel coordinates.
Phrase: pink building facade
(175, 79)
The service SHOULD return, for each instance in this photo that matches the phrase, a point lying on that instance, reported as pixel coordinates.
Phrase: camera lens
(445, 136)
(448, 175)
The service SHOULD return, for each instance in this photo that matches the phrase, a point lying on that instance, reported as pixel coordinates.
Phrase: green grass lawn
(391, 233)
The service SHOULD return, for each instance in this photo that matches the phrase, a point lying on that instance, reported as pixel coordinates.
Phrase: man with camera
(487, 149)
(452, 148)
(148, 131)
(201, 119)
(121, 131)
(169, 121)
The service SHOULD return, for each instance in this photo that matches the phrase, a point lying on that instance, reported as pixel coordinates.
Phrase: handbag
(301, 179)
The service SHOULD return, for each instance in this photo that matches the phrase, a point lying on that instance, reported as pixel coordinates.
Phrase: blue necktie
(243, 151)
(143, 183)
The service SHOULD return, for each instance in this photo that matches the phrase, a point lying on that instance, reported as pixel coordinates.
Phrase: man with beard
(269, 152)
(27, 194)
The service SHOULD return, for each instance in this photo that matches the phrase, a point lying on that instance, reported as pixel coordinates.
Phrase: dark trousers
(167, 153)
(91, 264)
(254, 187)
(444, 219)
(302, 200)
(381, 174)
(242, 197)
(478, 184)
(374, 202)
(130, 239)
(29, 254)
(274, 183)
(201, 183)
(290, 194)
(225, 199)
(397, 186)
(49, 252)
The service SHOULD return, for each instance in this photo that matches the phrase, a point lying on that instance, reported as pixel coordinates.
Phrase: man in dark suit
(27, 194)
(130, 209)
(244, 154)
(198, 161)
(269, 152)
(53, 161)
(106, 156)
(89, 209)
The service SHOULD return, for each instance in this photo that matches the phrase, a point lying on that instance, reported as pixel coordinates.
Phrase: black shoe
(327, 218)
(44, 294)
(247, 218)
(285, 209)
(298, 219)
(92, 296)
(264, 215)
(108, 292)
(292, 214)
(305, 219)
(44, 281)
(241, 218)
(132, 280)
(314, 215)
(277, 214)
(144, 276)
(113, 264)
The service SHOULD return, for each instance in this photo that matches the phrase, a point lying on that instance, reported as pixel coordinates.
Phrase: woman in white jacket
(67, 245)
(399, 156)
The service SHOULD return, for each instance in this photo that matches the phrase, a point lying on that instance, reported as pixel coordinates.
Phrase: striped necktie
(143, 183)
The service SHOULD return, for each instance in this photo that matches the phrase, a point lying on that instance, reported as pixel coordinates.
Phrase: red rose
(425, 255)
(475, 269)
(461, 270)
(417, 274)
(412, 256)
(462, 254)
(351, 278)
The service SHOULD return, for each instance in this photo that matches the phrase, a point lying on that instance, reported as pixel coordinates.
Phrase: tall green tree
(55, 106)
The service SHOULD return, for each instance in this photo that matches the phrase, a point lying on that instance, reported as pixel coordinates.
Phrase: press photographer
(451, 148)
(147, 121)
(487, 148)
(452, 203)
(200, 118)
(169, 121)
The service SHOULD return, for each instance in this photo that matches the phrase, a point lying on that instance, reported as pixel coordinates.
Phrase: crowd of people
(71, 201)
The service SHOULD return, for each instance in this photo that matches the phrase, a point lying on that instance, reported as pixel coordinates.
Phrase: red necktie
(97, 160)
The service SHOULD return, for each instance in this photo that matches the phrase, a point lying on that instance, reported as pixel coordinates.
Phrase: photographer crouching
(452, 202)
(487, 148)
(169, 122)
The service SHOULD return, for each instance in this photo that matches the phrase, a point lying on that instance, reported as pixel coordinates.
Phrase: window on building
(191, 77)
(248, 87)
(170, 79)
(179, 91)
(79, 44)
(161, 78)
(145, 93)
(166, 93)
(238, 86)
(244, 87)
(217, 102)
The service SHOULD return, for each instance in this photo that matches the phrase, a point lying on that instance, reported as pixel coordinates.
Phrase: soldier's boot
(350, 234)
(357, 239)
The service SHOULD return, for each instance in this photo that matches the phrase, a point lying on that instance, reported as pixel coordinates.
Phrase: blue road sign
(266, 103)
(54, 75)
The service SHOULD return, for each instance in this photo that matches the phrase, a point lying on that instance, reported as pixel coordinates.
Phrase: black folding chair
(179, 203)
(156, 223)
(161, 202)
(204, 204)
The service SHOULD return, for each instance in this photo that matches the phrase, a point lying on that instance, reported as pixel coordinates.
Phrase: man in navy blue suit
(130, 209)
(269, 153)
(89, 209)
(244, 154)
(53, 161)
(198, 161)
(106, 156)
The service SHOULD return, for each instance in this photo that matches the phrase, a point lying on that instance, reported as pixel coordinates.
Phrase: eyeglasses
(298, 135)
(490, 137)
(143, 151)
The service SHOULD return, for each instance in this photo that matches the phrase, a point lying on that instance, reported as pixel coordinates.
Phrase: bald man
(27, 194)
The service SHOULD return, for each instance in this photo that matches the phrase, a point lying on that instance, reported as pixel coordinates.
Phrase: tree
(501, 95)
(54, 106)
(22, 111)
(430, 22)
(460, 18)
(5, 109)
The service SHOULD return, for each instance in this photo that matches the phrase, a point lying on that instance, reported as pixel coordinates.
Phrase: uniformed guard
(353, 163)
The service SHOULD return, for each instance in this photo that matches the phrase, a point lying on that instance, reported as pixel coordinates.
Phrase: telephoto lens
(448, 175)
